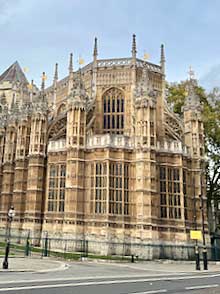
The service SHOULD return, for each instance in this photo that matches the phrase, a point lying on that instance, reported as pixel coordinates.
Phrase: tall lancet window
(56, 191)
(170, 202)
(110, 188)
(113, 111)
(100, 187)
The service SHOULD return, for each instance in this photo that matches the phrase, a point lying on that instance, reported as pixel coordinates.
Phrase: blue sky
(39, 33)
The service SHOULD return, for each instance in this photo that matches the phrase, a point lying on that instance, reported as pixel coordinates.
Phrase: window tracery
(170, 202)
(113, 111)
(56, 191)
(110, 185)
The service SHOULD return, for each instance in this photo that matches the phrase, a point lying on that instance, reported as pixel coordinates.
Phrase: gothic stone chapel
(100, 156)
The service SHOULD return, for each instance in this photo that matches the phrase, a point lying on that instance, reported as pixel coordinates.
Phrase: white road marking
(148, 278)
(151, 292)
(145, 269)
(77, 285)
(63, 285)
(93, 278)
(202, 287)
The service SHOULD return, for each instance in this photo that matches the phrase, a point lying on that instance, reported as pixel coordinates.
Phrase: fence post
(87, 248)
(65, 247)
(45, 248)
(82, 248)
(27, 247)
(49, 247)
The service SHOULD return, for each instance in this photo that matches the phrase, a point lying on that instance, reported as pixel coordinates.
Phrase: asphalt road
(109, 279)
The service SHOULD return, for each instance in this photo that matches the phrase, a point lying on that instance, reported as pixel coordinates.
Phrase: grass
(77, 256)
(2, 253)
(60, 254)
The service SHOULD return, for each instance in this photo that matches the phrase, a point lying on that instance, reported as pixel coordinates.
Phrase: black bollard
(45, 251)
(132, 258)
(27, 247)
(197, 258)
(205, 260)
(5, 262)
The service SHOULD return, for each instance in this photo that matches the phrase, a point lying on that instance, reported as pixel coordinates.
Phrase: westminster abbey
(100, 156)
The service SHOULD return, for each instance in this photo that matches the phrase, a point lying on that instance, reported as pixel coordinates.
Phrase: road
(98, 278)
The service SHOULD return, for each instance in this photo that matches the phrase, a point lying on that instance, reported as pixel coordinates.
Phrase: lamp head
(11, 212)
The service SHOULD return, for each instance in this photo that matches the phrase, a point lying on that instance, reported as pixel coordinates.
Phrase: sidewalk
(163, 266)
(34, 264)
(30, 264)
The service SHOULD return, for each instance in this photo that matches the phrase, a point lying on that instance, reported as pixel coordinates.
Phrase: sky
(39, 33)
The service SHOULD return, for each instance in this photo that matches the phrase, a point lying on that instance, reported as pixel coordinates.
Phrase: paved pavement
(53, 277)
(38, 264)
(26, 264)
(171, 266)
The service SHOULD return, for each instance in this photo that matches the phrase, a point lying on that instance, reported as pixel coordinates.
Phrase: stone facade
(99, 155)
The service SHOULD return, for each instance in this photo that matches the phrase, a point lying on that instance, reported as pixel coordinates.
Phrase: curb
(62, 267)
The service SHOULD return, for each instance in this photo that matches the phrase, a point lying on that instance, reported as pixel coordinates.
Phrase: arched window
(113, 111)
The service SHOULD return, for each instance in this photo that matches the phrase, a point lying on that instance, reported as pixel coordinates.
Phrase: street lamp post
(195, 224)
(204, 252)
(11, 214)
(205, 260)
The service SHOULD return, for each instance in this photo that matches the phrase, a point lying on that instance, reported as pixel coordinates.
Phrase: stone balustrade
(114, 62)
(118, 141)
(128, 61)
(109, 140)
(172, 147)
(58, 145)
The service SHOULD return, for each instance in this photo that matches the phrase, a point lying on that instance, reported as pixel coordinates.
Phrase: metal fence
(28, 246)
(75, 249)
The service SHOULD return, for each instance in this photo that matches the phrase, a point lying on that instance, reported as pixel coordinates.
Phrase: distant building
(99, 156)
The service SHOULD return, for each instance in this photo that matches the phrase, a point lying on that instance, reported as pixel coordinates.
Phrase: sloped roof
(14, 74)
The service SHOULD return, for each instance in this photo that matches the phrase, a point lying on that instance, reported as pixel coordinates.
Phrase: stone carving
(78, 97)
(40, 104)
(192, 99)
(144, 94)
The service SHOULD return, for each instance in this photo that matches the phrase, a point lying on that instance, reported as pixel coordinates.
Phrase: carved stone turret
(3, 111)
(194, 140)
(8, 168)
(94, 70)
(95, 51)
(193, 125)
(21, 163)
(78, 104)
(55, 80)
(71, 78)
(162, 59)
(161, 99)
(145, 143)
(36, 164)
(145, 105)
(134, 60)
(134, 48)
